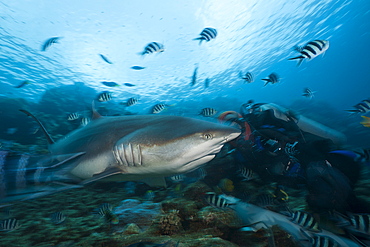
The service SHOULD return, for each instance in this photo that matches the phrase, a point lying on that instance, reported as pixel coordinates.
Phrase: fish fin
(267, 81)
(155, 181)
(106, 173)
(299, 61)
(95, 113)
(47, 135)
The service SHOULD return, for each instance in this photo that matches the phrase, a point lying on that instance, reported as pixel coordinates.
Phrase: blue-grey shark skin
(249, 214)
(141, 146)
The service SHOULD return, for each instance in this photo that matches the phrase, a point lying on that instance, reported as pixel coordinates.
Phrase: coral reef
(170, 223)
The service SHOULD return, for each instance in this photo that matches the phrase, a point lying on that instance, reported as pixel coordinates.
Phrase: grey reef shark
(143, 148)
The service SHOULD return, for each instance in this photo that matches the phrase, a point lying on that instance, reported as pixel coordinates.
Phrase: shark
(143, 148)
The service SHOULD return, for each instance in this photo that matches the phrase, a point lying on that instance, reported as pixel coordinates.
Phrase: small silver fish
(152, 47)
(207, 34)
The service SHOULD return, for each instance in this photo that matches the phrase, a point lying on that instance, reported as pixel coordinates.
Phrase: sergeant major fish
(152, 47)
(308, 93)
(104, 96)
(273, 78)
(248, 77)
(208, 112)
(207, 34)
(311, 50)
(362, 107)
(143, 148)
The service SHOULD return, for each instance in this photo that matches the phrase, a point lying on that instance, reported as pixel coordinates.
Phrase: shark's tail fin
(24, 177)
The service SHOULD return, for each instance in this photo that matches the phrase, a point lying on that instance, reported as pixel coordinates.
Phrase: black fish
(206, 83)
(24, 83)
(105, 59)
(311, 50)
(152, 47)
(207, 34)
(273, 78)
(194, 77)
(136, 67)
(49, 42)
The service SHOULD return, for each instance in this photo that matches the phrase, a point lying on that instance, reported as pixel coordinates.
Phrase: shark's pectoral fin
(106, 173)
(155, 181)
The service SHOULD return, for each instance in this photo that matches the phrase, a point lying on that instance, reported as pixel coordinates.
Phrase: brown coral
(170, 223)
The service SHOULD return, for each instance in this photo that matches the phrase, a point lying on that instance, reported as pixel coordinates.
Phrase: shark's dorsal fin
(47, 135)
(95, 114)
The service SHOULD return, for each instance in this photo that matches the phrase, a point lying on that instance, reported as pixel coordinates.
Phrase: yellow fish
(366, 121)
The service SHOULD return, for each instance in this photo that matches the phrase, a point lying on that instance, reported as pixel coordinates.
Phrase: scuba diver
(294, 151)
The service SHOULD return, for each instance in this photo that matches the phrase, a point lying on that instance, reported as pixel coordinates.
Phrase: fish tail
(267, 81)
(299, 61)
(200, 40)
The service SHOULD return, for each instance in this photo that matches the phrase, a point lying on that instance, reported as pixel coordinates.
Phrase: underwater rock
(133, 211)
(196, 191)
(132, 228)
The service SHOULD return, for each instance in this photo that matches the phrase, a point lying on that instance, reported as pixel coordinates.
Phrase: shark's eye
(207, 136)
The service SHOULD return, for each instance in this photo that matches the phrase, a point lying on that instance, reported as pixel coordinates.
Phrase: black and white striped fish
(248, 77)
(311, 50)
(9, 225)
(177, 178)
(308, 93)
(357, 223)
(246, 173)
(152, 47)
(273, 78)
(216, 200)
(320, 240)
(85, 121)
(158, 108)
(208, 112)
(57, 218)
(106, 211)
(265, 200)
(104, 96)
(207, 34)
(362, 107)
(49, 42)
(132, 101)
(73, 116)
(305, 220)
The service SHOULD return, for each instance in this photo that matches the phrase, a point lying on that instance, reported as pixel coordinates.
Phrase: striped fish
(152, 47)
(362, 107)
(130, 102)
(85, 121)
(359, 223)
(246, 173)
(177, 178)
(216, 200)
(73, 116)
(208, 112)
(305, 220)
(158, 108)
(273, 78)
(49, 42)
(106, 211)
(320, 240)
(57, 218)
(104, 96)
(248, 77)
(9, 225)
(265, 200)
(311, 50)
(308, 93)
(207, 34)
